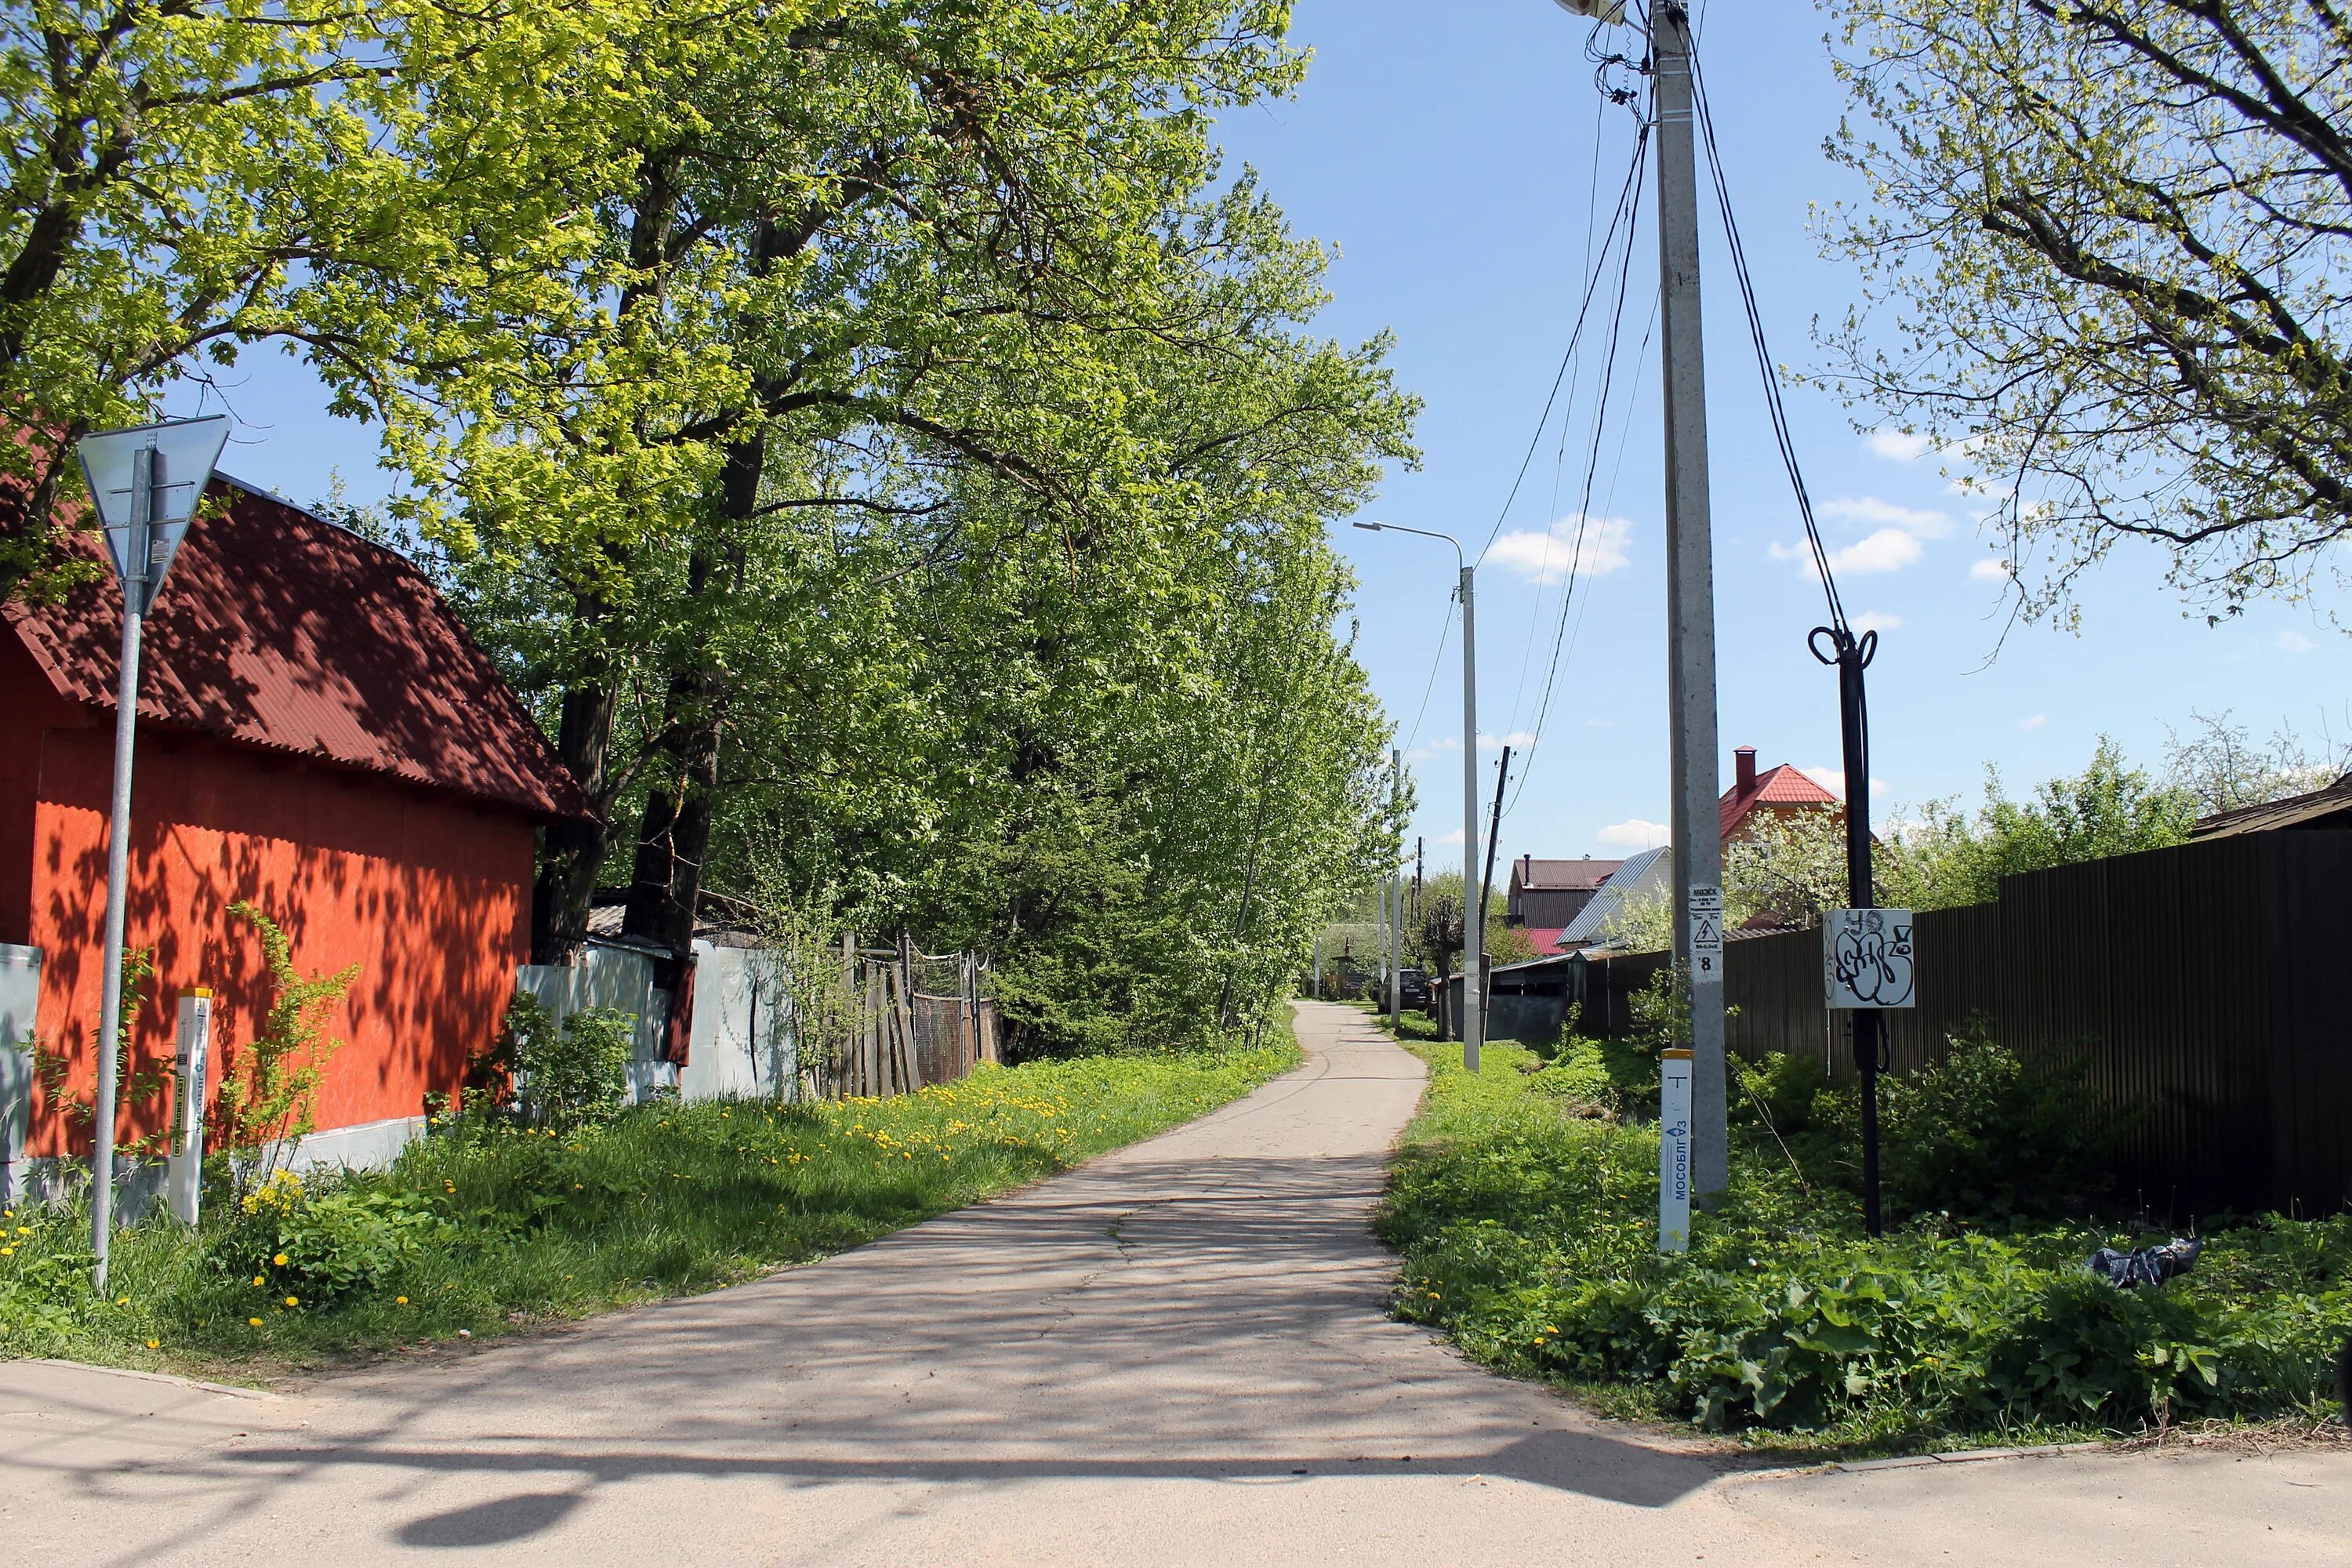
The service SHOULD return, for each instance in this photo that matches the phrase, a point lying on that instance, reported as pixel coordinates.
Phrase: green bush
(326, 1238)
(1981, 1135)
(1529, 1235)
(553, 1075)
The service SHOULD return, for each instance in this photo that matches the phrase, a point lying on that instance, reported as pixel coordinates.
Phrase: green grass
(1524, 1203)
(488, 1230)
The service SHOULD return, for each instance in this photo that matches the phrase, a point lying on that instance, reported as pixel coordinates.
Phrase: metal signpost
(145, 483)
(1868, 965)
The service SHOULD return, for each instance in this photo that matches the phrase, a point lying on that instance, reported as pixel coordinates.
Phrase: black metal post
(1852, 655)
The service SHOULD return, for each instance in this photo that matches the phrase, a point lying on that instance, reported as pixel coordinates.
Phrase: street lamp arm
(1425, 533)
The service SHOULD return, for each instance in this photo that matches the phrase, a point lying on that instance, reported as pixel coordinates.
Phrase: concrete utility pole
(1395, 898)
(1473, 921)
(1690, 595)
(1474, 934)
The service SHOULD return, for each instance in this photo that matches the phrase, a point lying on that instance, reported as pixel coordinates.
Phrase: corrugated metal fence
(2207, 989)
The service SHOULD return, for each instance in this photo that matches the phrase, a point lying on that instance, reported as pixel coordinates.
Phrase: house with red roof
(1546, 896)
(1757, 798)
(318, 735)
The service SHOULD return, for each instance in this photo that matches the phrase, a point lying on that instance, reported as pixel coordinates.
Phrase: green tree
(189, 178)
(2105, 265)
(1948, 856)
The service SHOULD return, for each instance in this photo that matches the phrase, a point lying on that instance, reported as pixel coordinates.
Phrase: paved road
(1175, 1355)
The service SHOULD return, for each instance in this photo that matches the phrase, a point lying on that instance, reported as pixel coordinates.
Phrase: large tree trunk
(573, 852)
(674, 835)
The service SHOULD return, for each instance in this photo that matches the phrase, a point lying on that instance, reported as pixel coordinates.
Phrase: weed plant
(1525, 1206)
(490, 1224)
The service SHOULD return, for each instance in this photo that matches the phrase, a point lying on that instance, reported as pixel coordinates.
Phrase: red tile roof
(1783, 785)
(1545, 938)
(278, 629)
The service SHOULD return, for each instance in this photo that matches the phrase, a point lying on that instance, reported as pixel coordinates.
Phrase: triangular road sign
(146, 483)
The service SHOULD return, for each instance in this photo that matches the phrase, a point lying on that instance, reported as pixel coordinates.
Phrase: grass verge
(1525, 1208)
(485, 1230)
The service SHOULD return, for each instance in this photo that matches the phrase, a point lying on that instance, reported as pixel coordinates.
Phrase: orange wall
(429, 895)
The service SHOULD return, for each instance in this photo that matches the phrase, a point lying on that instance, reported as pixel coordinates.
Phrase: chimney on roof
(1527, 870)
(1745, 779)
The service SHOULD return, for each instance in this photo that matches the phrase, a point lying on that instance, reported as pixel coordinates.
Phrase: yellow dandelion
(280, 1260)
(7, 1252)
(293, 1301)
(154, 1344)
(122, 1300)
(261, 1280)
(253, 1323)
(400, 1300)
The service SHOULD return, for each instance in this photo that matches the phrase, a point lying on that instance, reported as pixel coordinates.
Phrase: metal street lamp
(145, 483)
(1473, 921)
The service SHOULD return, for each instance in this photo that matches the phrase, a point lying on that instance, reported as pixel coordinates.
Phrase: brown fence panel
(2205, 991)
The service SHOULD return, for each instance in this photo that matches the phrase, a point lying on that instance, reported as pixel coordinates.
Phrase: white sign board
(184, 1162)
(1674, 1151)
(1706, 935)
(1867, 958)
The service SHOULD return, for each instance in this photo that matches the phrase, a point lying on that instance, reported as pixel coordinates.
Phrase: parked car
(1412, 989)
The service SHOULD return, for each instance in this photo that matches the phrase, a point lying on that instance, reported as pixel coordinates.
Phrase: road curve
(1176, 1354)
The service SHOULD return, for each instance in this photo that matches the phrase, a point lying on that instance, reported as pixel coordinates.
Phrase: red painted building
(319, 735)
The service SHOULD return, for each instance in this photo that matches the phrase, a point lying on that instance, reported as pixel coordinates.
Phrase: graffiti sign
(1867, 958)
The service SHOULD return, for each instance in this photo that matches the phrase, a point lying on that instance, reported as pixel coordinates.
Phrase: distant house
(1545, 895)
(1637, 878)
(2321, 808)
(319, 735)
(1757, 798)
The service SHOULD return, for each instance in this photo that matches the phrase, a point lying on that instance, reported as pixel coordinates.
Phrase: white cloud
(1420, 754)
(1898, 445)
(1911, 520)
(1633, 833)
(1888, 549)
(2033, 722)
(1518, 740)
(2296, 642)
(1600, 723)
(1453, 839)
(1445, 743)
(1873, 621)
(1989, 571)
(1544, 556)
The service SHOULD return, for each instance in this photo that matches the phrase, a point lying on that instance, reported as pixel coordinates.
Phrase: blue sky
(1449, 152)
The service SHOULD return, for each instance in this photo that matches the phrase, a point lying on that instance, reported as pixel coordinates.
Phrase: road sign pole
(145, 484)
(136, 553)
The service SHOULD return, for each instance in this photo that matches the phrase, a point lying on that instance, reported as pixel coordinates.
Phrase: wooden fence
(2206, 990)
(903, 1027)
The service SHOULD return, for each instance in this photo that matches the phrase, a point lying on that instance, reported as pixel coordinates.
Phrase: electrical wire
(1592, 460)
(1778, 411)
(1627, 192)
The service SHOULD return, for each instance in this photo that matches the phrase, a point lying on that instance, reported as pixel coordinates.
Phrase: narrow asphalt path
(1177, 1354)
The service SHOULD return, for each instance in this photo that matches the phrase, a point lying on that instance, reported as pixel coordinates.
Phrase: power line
(1592, 283)
(1592, 462)
(1772, 403)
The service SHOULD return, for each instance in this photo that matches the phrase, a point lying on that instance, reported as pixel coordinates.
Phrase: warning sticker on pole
(1706, 932)
(1867, 958)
